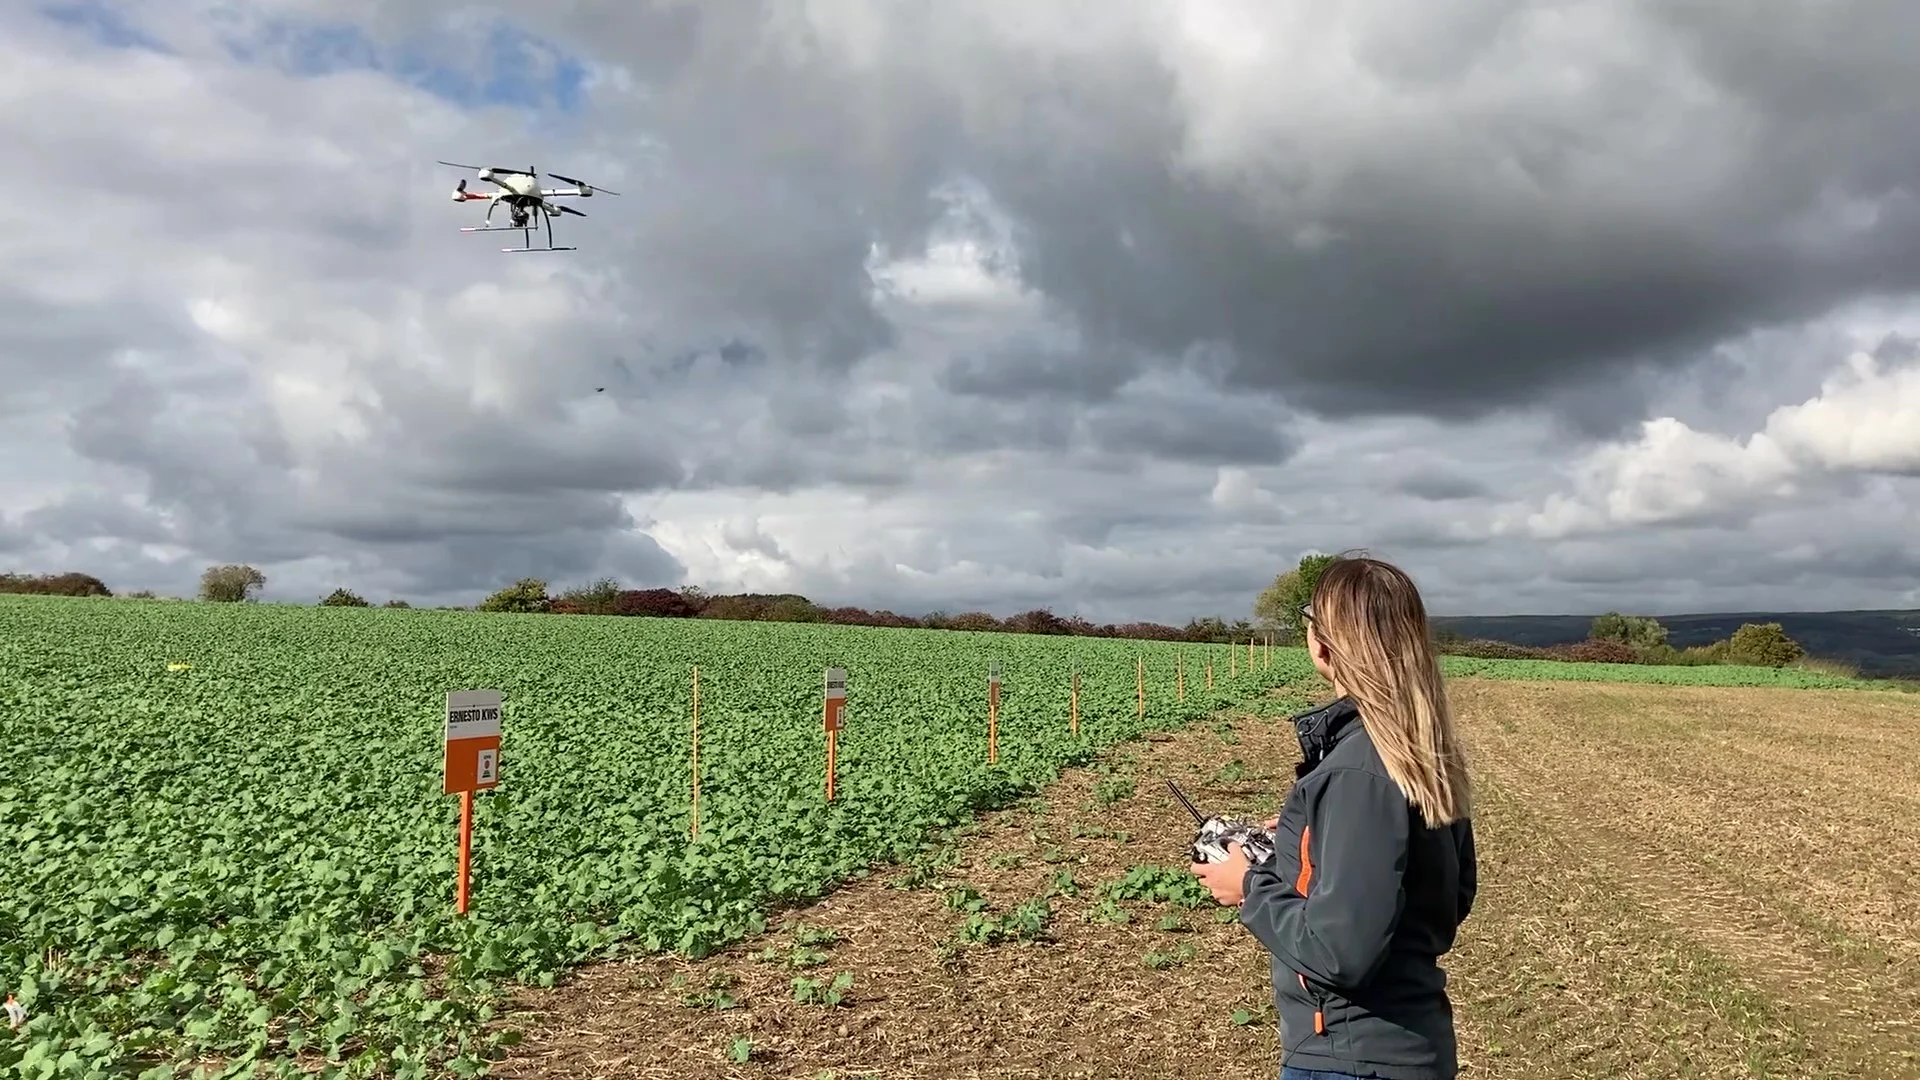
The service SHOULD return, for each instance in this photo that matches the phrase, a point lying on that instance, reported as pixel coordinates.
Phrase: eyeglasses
(1306, 612)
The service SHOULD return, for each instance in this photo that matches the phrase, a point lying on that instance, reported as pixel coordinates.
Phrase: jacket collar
(1321, 729)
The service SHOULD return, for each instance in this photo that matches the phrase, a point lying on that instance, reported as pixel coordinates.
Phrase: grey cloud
(1435, 485)
(471, 567)
(1224, 434)
(425, 514)
(1029, 373)
(1471, 266)
(82, 516)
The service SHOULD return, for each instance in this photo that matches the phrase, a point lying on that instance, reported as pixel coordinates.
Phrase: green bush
(1763, 645)
(70, 583)
(595, 599)
(343, 598)
(1636, 631)
(525, 595)
(230, 584)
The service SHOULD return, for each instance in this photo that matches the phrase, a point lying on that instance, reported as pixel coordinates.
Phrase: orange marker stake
(1140, 680)
(1209, 672)
(835, 704)
(472, 763)
(466, 852)
(1180, 676)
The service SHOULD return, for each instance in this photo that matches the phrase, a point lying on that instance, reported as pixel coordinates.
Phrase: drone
(520, 190)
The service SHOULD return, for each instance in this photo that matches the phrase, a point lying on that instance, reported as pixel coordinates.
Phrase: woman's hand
(1226, 880)
(1271, 823)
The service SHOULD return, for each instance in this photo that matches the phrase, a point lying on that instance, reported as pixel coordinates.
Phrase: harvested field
(1677, 882)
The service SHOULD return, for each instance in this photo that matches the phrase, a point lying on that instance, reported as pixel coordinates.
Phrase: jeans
(1288, 1072)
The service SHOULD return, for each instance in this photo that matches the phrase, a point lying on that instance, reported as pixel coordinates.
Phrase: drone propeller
(490, 168)
(568, 210)
(581, 183)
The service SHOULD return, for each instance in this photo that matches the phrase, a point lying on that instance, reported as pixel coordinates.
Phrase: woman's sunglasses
(1306, 612)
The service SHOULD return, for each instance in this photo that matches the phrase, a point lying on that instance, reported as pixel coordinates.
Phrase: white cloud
(1865, 420)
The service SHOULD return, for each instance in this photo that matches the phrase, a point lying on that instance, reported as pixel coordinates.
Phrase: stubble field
(1678, 881)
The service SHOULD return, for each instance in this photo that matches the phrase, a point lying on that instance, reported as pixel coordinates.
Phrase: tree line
(1613, 638)
(606, 597)
(237, 583)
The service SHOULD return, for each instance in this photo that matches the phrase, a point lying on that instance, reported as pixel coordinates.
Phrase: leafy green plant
(815, 935)
(965, 898)
(1159, 884)
(809, 991)
(1028, 922)
(1173, 957)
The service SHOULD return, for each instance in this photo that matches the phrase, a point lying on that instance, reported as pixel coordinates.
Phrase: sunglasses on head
(1306, 612)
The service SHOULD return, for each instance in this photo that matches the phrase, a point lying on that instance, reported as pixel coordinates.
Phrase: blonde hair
(1374, 625)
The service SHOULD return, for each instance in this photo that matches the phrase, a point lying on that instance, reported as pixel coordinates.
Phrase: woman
(1373, 866)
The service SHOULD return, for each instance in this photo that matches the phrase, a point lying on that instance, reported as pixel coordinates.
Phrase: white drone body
(520, 190)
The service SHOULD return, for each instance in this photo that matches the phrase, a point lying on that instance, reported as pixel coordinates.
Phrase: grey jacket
(1356, 906)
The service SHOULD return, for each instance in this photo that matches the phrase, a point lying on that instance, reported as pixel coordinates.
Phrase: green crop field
(250, 858)
(230, 846)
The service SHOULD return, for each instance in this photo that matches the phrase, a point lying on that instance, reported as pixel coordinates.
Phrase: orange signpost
(472, 764)
(835, 703)
(1140, 680)
(1180, 676)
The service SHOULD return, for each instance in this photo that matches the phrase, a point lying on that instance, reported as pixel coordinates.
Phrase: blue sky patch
(506, 67)
(102, 23)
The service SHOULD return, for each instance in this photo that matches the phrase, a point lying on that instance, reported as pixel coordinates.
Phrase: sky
(1117, 308)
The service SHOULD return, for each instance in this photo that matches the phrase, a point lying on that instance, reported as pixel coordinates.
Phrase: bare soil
(1676, 882)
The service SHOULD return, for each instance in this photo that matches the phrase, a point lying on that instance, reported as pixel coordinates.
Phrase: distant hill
(1879, 643)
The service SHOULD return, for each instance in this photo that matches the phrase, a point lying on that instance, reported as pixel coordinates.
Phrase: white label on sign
(993, 671)
(486, 760)
(472, 714)
(837, 682)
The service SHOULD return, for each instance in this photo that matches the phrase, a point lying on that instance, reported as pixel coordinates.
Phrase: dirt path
(1658, 902)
